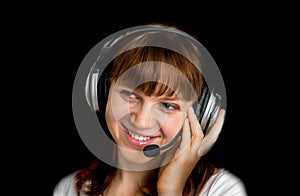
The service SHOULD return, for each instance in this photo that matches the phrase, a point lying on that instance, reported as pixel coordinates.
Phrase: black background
(225, 43)
(47, 45)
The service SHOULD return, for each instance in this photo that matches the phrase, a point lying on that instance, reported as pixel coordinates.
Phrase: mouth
(139, 140)
(138, 137)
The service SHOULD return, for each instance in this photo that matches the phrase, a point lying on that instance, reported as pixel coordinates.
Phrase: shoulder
(224, 183)
(66, 186)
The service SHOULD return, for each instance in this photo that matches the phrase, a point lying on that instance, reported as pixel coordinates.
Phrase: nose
(141, 116)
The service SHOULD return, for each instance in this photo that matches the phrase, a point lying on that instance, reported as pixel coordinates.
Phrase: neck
(139, 178)
(132, 183)
(133, 178)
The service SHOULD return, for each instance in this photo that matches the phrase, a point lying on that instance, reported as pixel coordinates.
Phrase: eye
(128, 95)
(170, 107)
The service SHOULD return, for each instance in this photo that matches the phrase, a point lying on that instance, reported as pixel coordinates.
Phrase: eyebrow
(168, 98)
(162, 97)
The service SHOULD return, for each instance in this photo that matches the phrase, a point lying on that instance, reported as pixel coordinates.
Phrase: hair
(161, 80)
(152, 72)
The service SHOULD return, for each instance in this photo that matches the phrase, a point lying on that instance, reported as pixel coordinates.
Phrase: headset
(97, 86)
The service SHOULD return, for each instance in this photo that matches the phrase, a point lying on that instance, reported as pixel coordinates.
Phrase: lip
(138, 143)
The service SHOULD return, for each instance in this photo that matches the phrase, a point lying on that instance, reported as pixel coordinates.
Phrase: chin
(134, 160)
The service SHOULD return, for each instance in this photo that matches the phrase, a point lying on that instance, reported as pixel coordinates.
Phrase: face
(136, 120)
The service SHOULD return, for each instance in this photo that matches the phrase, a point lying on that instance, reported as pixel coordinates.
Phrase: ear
(210, 139)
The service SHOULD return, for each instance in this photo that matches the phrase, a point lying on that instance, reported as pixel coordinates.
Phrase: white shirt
(223, 183)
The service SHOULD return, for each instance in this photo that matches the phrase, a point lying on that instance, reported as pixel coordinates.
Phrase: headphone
(97, 84)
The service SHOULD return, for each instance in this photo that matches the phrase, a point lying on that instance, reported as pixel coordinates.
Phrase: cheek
(172, 125)
(118, 108)
(110, 121)
(175, 122)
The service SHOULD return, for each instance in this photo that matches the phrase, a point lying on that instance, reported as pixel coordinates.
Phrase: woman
(158, 145)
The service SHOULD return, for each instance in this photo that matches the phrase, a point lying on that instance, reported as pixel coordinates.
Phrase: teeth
(138, 137)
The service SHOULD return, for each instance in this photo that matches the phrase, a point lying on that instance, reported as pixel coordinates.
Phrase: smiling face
(147, 110)
(150, 93)
(136, 119)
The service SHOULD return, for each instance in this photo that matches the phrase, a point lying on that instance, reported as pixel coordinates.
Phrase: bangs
(157, 79)
(157, 72)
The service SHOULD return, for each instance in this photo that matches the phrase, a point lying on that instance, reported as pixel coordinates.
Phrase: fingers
(186, 134)
(196, 130)
(195, 125)
(192, 134)
(213, 134)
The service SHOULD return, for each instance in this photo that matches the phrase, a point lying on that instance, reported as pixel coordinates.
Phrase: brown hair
(163, 68)
(156, 65)
(148, 63)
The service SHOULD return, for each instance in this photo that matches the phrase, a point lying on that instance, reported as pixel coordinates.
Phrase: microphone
(153, 150)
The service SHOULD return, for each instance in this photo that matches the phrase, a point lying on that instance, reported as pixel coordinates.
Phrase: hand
(173, 176)
(212, 136)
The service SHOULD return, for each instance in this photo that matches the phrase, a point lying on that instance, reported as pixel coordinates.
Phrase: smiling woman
(160, 111)
(151, 112)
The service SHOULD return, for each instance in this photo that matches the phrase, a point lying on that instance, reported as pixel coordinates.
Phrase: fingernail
(192, 109)
(224, 112)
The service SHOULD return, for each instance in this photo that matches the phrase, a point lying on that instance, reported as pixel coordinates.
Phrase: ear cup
(207, 107)
(103, 87)
(213, 108)
(200, 104)
(97, 89)
(91, 90)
